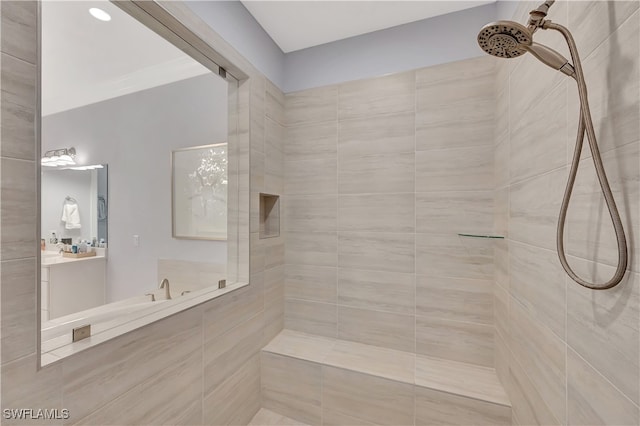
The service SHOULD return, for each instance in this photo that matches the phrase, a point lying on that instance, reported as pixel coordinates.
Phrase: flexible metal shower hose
(586, 125)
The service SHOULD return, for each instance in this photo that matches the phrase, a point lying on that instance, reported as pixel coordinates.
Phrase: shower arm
(536, 16)
(586, 125)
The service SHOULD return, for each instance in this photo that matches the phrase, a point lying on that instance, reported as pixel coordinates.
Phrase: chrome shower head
(504, 39)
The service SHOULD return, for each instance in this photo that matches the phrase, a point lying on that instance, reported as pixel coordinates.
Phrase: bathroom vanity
(72, 285)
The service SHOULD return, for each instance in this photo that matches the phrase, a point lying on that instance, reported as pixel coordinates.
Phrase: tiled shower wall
(567, 354)
(197, 367)
(380, 177)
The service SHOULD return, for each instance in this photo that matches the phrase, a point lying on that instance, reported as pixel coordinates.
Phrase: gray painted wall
(433, 41)
(233, 22)
(442, 39)
(134, 135)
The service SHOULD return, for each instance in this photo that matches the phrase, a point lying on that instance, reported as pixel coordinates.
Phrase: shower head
(508, 39)
(504, 39)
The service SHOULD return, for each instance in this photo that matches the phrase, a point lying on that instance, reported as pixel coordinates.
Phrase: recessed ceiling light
(99, 14)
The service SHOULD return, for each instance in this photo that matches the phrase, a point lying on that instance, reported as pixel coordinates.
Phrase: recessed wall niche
(269, 215)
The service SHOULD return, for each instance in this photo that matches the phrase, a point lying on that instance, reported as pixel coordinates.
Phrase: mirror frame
(177, 24)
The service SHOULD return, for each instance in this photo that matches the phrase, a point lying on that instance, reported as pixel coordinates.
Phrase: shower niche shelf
(487, 236)
(269, 215)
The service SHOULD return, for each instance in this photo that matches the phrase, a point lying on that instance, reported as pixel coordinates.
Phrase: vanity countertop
(52, 258)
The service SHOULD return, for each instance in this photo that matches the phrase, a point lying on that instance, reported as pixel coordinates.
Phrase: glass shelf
(497, 237)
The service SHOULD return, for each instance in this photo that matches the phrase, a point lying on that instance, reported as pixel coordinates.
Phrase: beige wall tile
(377, 290)
(311, 213)
(386, 329)
(583, 15)
(442, 212)
(18, 78)
(366, 174)
(145, 351)
(612, 73)
(534, 207)
(17, 130)
(501, 211)
(528, 407)
(455, 82)
(136, 407)
(447, 255)
(311, 248)
(317, 283)
(376, 212)
(274, 102)
(537, 281)
(501, 312)
(538, 137)
(454, 340)
(376, 96)
(501, 262)
(274, 252)
(311, 106)
(19, 30)
(17, 215)
(501, 359)
(501, 163)
(24, 387)
(228, 352)
(224, 313)
(386, 402)
(458, 169)
(292, 387)
(236, 400)
(441, 408)
(311, 177)
(590, 233)
(336, 418)
(257, 113)
(18, 308)
(456, 125)
(603, 326)
(311, 317)
(376, 135)
(311, 141)
(455, 299)
(542, 354)
(592, 400)
(273, 301)
(392, 252)
(531, 80)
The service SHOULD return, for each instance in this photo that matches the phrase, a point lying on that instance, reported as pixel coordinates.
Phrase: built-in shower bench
(319, 380)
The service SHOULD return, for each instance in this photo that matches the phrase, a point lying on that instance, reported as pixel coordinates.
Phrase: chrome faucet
(165, 284)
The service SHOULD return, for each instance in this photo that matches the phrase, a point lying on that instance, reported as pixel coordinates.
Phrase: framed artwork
(199, 192)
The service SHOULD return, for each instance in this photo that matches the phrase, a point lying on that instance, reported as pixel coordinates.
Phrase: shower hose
(586, 125)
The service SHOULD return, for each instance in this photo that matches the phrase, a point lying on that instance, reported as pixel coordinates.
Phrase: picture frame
(199, 181)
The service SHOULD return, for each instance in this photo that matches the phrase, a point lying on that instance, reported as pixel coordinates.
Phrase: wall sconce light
(59, 157)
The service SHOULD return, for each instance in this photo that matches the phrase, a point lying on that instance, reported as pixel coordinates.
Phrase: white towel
(71, 216)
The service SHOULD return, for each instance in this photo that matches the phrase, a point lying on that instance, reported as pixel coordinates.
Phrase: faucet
(165, 284)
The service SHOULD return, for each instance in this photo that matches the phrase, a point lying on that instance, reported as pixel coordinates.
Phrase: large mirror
(128, 119)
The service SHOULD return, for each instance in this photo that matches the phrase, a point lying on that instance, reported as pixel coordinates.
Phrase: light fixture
(59, 157)
(100, 14)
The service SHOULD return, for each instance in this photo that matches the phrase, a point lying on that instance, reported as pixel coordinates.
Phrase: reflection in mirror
(117, 93)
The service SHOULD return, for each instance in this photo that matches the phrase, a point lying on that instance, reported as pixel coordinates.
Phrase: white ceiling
(296, 25)
(85, 60)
